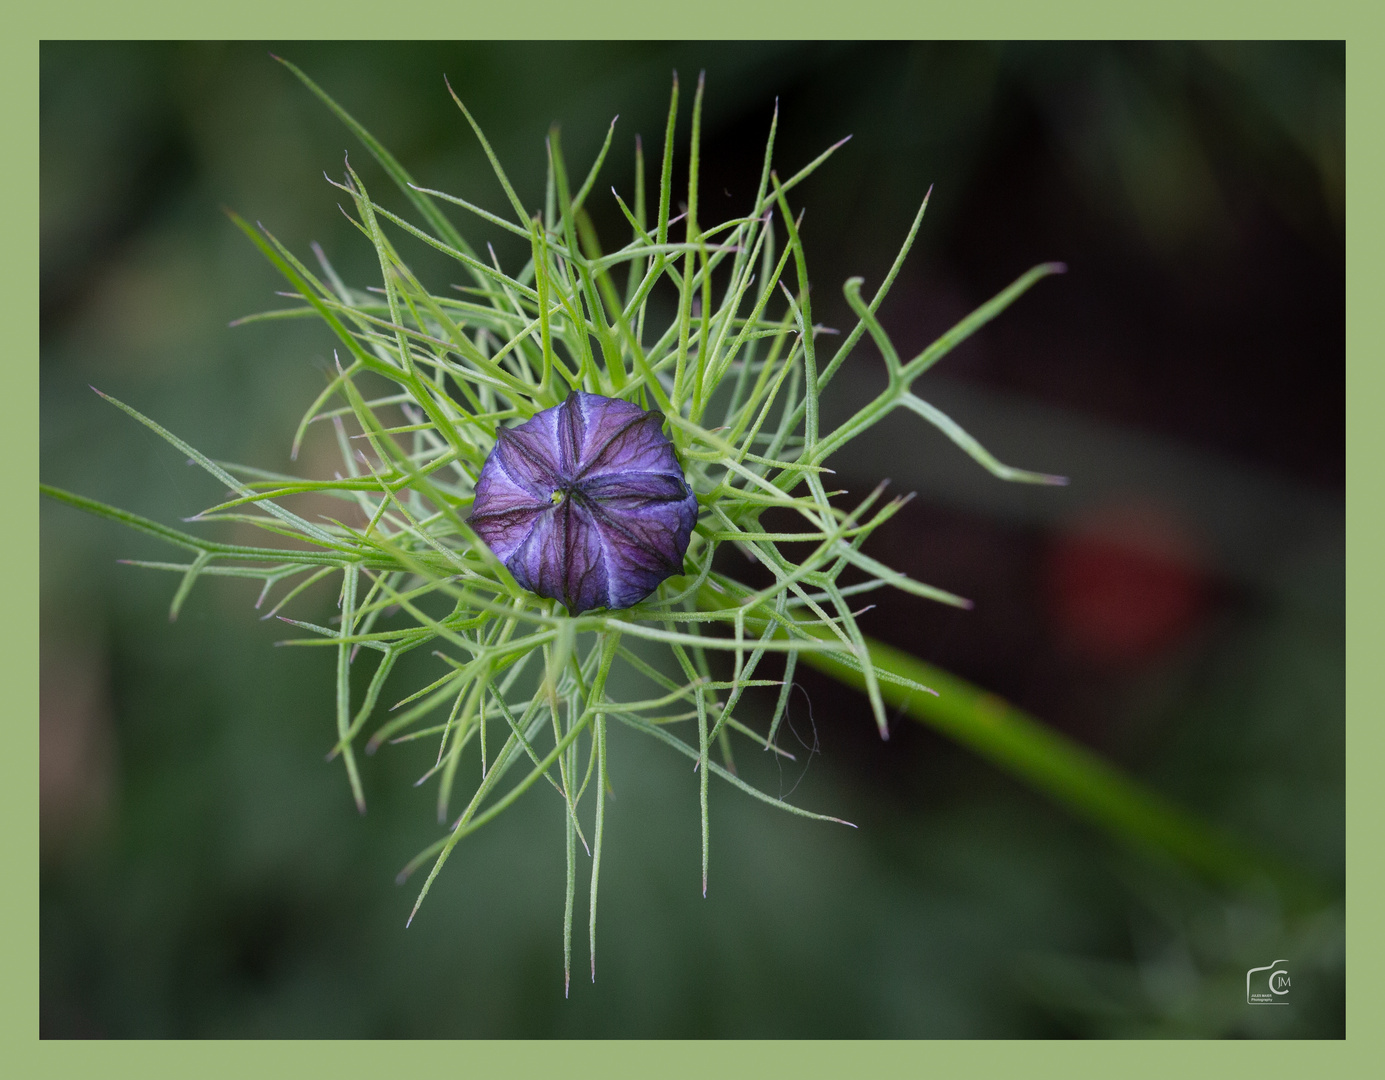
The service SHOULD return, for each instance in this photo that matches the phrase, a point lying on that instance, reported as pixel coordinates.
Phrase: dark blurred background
(1179, 607)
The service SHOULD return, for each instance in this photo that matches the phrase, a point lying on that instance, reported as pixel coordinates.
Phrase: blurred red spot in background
(1124, 583)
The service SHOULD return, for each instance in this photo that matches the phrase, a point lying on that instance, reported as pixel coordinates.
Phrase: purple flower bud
(586, 503)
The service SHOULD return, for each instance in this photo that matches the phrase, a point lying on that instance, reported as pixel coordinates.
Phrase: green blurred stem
(1074, 776)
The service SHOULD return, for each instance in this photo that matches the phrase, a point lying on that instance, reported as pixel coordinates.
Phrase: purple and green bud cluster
(586, 503)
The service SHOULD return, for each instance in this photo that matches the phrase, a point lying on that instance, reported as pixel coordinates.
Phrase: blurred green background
(1179, 607)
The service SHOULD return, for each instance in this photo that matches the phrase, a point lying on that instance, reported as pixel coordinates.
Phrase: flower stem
(1066, 771)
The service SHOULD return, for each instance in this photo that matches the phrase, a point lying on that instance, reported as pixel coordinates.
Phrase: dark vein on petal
(619, 433)
(571, 427)
(551, 475)
(615, 492)
(606, 519)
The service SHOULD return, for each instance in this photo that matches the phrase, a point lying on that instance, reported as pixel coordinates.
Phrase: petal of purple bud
(645, 541)
(526, 454)
(563, 558)
(505, 512)
(636, 446)
(622, 489)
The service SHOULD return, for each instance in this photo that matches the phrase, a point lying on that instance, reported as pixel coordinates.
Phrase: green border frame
(20, 1047)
